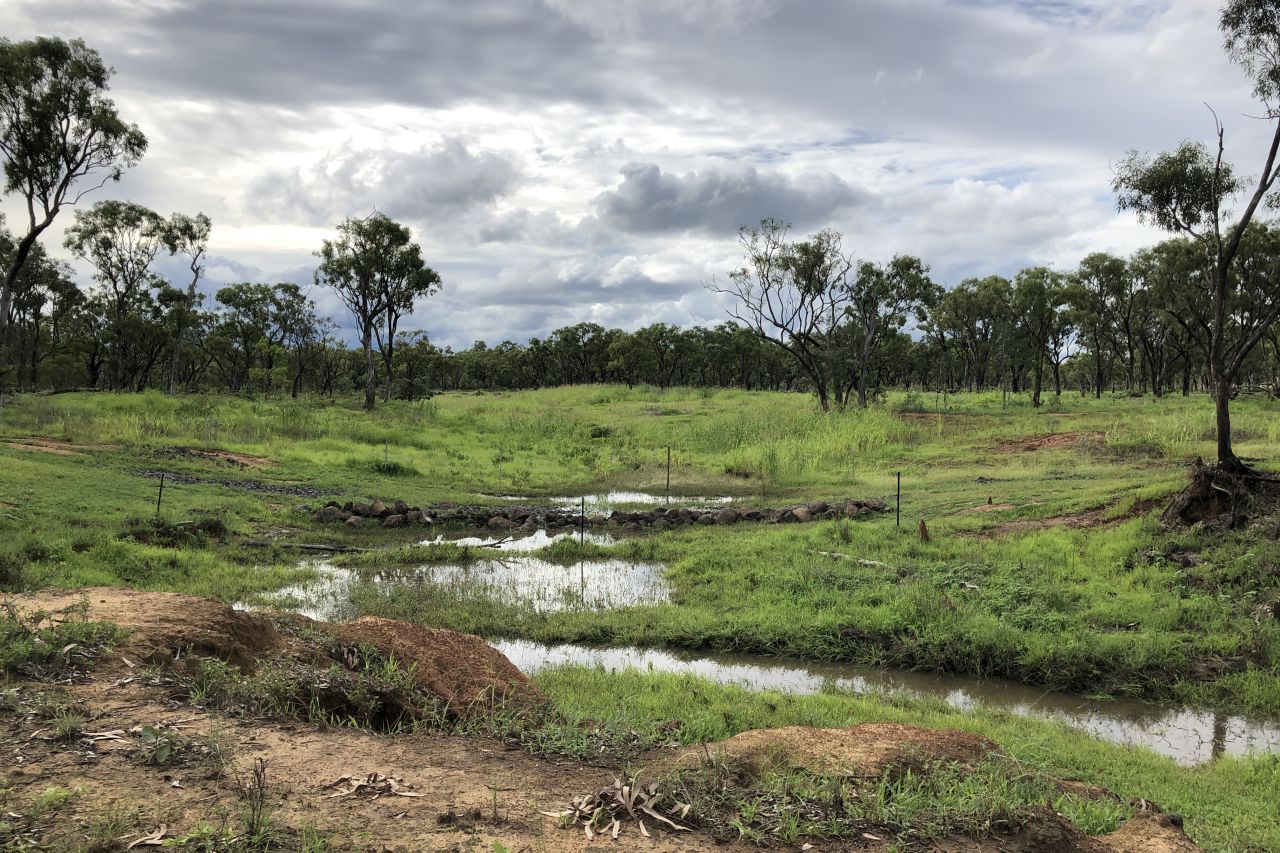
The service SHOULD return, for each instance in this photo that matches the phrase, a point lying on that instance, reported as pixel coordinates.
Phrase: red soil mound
(461, 669)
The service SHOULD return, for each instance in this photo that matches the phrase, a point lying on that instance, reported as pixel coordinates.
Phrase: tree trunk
(370, 374)
(1222, 402)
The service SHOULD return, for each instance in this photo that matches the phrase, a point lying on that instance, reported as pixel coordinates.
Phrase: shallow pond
(545, 586)
(1188, 736)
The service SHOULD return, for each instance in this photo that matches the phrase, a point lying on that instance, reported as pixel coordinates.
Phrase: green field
(1046, 563)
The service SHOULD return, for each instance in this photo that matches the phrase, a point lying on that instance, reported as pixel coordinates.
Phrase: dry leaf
(155, 839)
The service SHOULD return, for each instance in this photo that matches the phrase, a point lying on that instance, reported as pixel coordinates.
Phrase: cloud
(719, 200)
(433, 183)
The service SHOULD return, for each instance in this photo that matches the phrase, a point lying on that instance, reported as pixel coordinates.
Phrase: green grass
(1228, 805)
(1102, 610)
(1117, 607)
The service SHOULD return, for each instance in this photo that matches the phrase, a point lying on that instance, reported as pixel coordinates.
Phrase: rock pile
(399, 514)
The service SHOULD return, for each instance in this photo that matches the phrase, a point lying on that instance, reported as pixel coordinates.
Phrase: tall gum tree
(1189, 190)
(368, 265)
(57, 127)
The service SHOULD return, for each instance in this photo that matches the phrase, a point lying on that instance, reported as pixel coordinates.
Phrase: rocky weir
(398, 513)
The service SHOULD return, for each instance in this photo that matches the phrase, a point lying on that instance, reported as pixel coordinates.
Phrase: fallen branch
(871, 564)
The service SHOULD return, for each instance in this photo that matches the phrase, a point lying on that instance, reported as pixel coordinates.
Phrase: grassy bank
(1044, 563)
(1228, 805)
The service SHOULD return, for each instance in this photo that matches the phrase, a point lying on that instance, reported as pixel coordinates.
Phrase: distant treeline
(1138, 324)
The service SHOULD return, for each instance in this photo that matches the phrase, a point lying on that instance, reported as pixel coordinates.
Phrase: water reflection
(1189, 736)
(518, 541)
(591, 585)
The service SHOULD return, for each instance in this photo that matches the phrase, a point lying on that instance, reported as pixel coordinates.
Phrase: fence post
(897, 512)
(160, 495)
(668, 474)
(582, 520)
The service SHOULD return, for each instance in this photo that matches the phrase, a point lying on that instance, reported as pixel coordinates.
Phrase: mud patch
(1088, 520)
(242, 485)
(58, 448)
(1053, 441)
(244, 460)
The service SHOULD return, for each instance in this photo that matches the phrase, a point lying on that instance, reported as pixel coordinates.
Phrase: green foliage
(31, 643)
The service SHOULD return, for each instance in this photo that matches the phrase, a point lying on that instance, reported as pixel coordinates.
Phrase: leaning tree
(57, 127)
(793, 294)
(1191, 190)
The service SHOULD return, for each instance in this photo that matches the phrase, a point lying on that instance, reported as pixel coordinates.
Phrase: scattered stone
(802, 514)
(394, 521)
(379, 509)
(726, 516)
(355, 521)
(328, 514)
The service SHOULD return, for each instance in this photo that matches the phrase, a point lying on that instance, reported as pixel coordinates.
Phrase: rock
(415, 516)
(706, 518)
(394, 521)
(726, 516)
(333, 503)
(346, 507)
(499, 523)
(752, 515)
(802, 514)
(785, 516)
(399, 507)
(355, 521)
(379, 509)
(361, 509)
(819, 507)
(328, 515)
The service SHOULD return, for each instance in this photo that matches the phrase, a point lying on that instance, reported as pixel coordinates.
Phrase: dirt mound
(1052, 441)
(164, 626)
(1150, 833)
(865, 750)
(461, 669)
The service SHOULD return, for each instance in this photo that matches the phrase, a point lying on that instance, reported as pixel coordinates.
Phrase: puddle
(608, 502)
(519, 541)
(1188, 736)
(588, 585)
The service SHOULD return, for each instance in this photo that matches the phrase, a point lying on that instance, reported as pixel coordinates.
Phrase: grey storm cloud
(563, 160)
(720, 200)
(433, 183)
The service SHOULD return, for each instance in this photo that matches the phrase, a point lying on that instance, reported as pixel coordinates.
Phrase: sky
(565, 161)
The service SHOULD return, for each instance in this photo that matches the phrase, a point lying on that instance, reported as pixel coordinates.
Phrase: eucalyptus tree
(187, 236)
(367, 266)
(792, 294)
(1037, 307)
(1191, 190)
(1095, 294)
(882, 298)
(120, 240)
(57, 127)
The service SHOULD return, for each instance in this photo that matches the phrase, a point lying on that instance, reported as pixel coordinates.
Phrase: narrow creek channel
(1188, 735)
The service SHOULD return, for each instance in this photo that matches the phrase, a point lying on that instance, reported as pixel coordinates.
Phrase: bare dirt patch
(1052, 441)
(242, 459)
(59, 448)
(1089, 519)
(866, 750)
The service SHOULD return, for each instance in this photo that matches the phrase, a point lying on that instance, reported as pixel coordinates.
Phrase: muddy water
(519, 541)
(1187, 736)
(588, 585)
